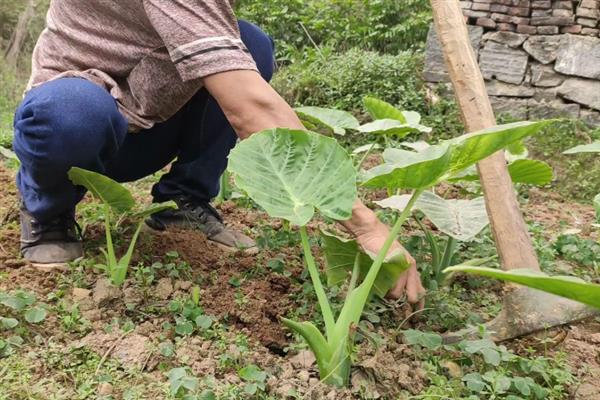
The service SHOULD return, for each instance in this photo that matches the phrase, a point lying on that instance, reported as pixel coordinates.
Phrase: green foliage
(531, 172)
(116, 198)
(332, 121)
(254, 378)
(419, 170)
(589, 148)
(585, 252)
(577, 176)
(17, 309)
(342, 80)
(269, 167)
(480, 369)
(382, 25)
(180, 382)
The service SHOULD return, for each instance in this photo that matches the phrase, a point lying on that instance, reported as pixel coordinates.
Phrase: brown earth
(253, 308)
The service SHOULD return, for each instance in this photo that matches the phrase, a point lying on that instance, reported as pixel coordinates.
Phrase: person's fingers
(400, 287)
(412, 286)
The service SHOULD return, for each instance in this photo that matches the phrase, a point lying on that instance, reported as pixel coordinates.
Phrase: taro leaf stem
(111, 258)
(354, 277)
(448, 253)
(354, 306)
(374, 270)
(317, 284)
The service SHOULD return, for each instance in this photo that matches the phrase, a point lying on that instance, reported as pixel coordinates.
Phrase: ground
(102, 342)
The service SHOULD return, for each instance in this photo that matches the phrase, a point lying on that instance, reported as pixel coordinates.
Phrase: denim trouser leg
(73, 122)
(62, 124)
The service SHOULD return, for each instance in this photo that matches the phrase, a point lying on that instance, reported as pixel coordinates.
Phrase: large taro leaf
(460, 219)
(341, 254)
(335, 121)
(565, 286)
(290, 173)
(397, 202)
(410, 170)
(585, 148)
(379, 109)
(104, 189)
(531, 172)
(473, 147)
(391, 127)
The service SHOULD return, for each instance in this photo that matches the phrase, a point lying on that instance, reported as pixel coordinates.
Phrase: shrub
(577, 177)
(382, 25)
(342, 80)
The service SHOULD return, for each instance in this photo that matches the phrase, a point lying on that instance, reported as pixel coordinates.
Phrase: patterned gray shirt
(150, 55)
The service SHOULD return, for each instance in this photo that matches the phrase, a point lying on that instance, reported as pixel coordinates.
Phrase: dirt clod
(105, 292)
(105, 389)
(163, 289)
(303, 360)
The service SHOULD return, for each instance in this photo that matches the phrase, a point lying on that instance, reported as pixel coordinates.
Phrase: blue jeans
(73, 122)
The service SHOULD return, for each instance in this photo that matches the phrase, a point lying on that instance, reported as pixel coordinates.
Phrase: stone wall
(540, 58)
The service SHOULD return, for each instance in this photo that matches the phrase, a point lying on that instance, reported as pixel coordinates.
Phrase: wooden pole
(19, 35)
(508, 227)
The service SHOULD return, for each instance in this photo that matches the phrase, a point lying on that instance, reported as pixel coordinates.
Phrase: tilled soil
(246, 296)
(260, 302)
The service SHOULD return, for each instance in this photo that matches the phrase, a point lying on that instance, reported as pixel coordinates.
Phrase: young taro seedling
(116, 199)
(458, 220)
(291, 173)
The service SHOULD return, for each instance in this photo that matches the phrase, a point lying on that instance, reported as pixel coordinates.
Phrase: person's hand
(371, 234)
(409, 283)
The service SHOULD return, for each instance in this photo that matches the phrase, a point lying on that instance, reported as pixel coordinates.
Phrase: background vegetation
(332, 53)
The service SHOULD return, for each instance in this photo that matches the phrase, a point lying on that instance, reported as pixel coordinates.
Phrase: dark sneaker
(53, 243)
(201, 216)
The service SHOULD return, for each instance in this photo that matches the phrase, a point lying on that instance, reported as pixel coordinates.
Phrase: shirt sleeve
(202, 36)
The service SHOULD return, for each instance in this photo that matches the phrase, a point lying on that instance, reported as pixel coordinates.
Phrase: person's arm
(251, 105)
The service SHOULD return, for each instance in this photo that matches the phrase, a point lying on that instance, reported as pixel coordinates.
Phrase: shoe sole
(53, 267)
(48, 268)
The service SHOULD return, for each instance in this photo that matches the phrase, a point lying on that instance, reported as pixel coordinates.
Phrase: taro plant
(458, 220)
(116, 200)
(292, 173)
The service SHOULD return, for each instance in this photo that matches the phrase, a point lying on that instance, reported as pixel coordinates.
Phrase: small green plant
(589, 148)
(254, 378)
(181, 384)
(116, 199)
(479, 368)
(189, 315)
(16, 309)
(291, 173)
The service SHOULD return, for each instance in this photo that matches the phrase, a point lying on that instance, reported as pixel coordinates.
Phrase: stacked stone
(588, 14)
(544, 17)
(540, 58)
